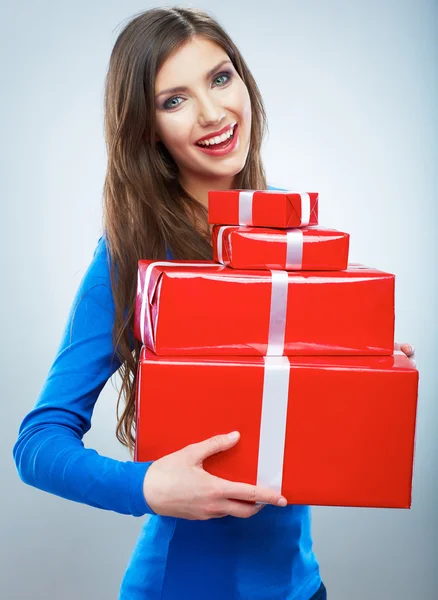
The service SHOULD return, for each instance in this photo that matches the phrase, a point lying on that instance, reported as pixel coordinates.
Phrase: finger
(408, 349)
(242, 510)
(255, 509)
(213, 445)
(251, 493)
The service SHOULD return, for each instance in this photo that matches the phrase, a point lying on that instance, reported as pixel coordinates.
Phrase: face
(210, 97)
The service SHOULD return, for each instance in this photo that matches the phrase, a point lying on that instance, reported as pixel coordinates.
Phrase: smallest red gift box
(299, 249)
(263, 208)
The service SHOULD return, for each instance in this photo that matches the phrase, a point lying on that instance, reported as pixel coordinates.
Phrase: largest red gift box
(202, 308)
(322, 430)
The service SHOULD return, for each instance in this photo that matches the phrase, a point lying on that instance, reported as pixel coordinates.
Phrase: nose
(210, 112)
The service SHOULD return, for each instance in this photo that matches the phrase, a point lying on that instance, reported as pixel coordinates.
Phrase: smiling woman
(183, 115)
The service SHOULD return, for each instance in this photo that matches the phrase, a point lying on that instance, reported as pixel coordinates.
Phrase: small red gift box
(262, 208)
(306, 248)
(323, 430)
(203, 308)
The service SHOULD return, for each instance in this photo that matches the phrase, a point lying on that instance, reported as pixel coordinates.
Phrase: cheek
(174, 131)
(244, 103)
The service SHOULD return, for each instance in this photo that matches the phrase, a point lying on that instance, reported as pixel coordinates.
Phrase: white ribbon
(246, 203)
(294, 249)
(220, 241)
(277, 311)
(305, 209)
(245, 207)
(273, 422)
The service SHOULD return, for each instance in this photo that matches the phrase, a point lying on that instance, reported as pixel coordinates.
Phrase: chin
(233, 167)
(226, 173)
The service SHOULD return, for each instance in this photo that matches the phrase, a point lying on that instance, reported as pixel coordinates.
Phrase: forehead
(188, 63)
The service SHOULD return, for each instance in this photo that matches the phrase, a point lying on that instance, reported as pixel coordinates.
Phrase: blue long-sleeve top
(268, 556)
(49, 452)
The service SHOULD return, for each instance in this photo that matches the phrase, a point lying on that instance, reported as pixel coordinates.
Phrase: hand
(176, 485)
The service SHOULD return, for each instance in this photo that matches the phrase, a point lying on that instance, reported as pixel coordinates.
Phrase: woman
(175, 80)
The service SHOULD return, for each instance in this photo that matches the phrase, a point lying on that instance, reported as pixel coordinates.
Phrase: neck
(199, 188)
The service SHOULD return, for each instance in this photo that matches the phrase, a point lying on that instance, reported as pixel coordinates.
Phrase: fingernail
(412, 349)
(282, 502)
(234, 435)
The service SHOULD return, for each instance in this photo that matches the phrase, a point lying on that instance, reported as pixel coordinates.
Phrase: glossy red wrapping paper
(349, 428)
(203, 308)
(269, 208)
(307, 248)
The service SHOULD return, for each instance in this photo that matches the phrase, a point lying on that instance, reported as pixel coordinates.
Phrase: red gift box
(307, 248)
(333, 431)
(203, 308)
(262, 208)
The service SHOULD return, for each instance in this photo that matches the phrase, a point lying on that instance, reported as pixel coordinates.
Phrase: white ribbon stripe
(277, 313)
(294, 249)
(273, 422)
(245, 207)
(305, 209)
(220, 241)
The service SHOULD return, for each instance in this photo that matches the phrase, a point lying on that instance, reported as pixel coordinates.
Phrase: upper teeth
(218, 138)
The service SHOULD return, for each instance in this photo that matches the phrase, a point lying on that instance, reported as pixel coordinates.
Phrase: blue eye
(168, 104)
(227, 74)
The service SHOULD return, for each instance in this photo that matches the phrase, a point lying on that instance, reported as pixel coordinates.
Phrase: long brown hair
(145, 209)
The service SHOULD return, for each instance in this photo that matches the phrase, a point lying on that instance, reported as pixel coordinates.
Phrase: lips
(215, 133)
(222, 149)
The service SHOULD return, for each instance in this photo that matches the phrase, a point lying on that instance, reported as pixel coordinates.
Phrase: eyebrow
(184, 88)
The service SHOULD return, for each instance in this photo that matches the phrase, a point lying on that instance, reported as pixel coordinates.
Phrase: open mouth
(219, 143)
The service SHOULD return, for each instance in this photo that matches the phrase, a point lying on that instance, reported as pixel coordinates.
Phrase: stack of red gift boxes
(283, 340)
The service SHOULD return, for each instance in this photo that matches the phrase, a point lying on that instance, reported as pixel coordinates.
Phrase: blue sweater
(266, 557)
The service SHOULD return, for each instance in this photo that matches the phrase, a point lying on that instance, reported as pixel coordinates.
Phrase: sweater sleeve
(49, 453)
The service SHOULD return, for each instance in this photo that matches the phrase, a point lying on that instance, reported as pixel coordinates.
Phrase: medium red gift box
(203, 308)
(306, 248)
(323, 430)
(263, 208)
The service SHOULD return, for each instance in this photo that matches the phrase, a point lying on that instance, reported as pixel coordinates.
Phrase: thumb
(215, 444)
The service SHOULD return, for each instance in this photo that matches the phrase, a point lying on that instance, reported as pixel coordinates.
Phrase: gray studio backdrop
(351, 93)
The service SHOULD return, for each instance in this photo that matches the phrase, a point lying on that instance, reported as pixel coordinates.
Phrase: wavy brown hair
(145, 209)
